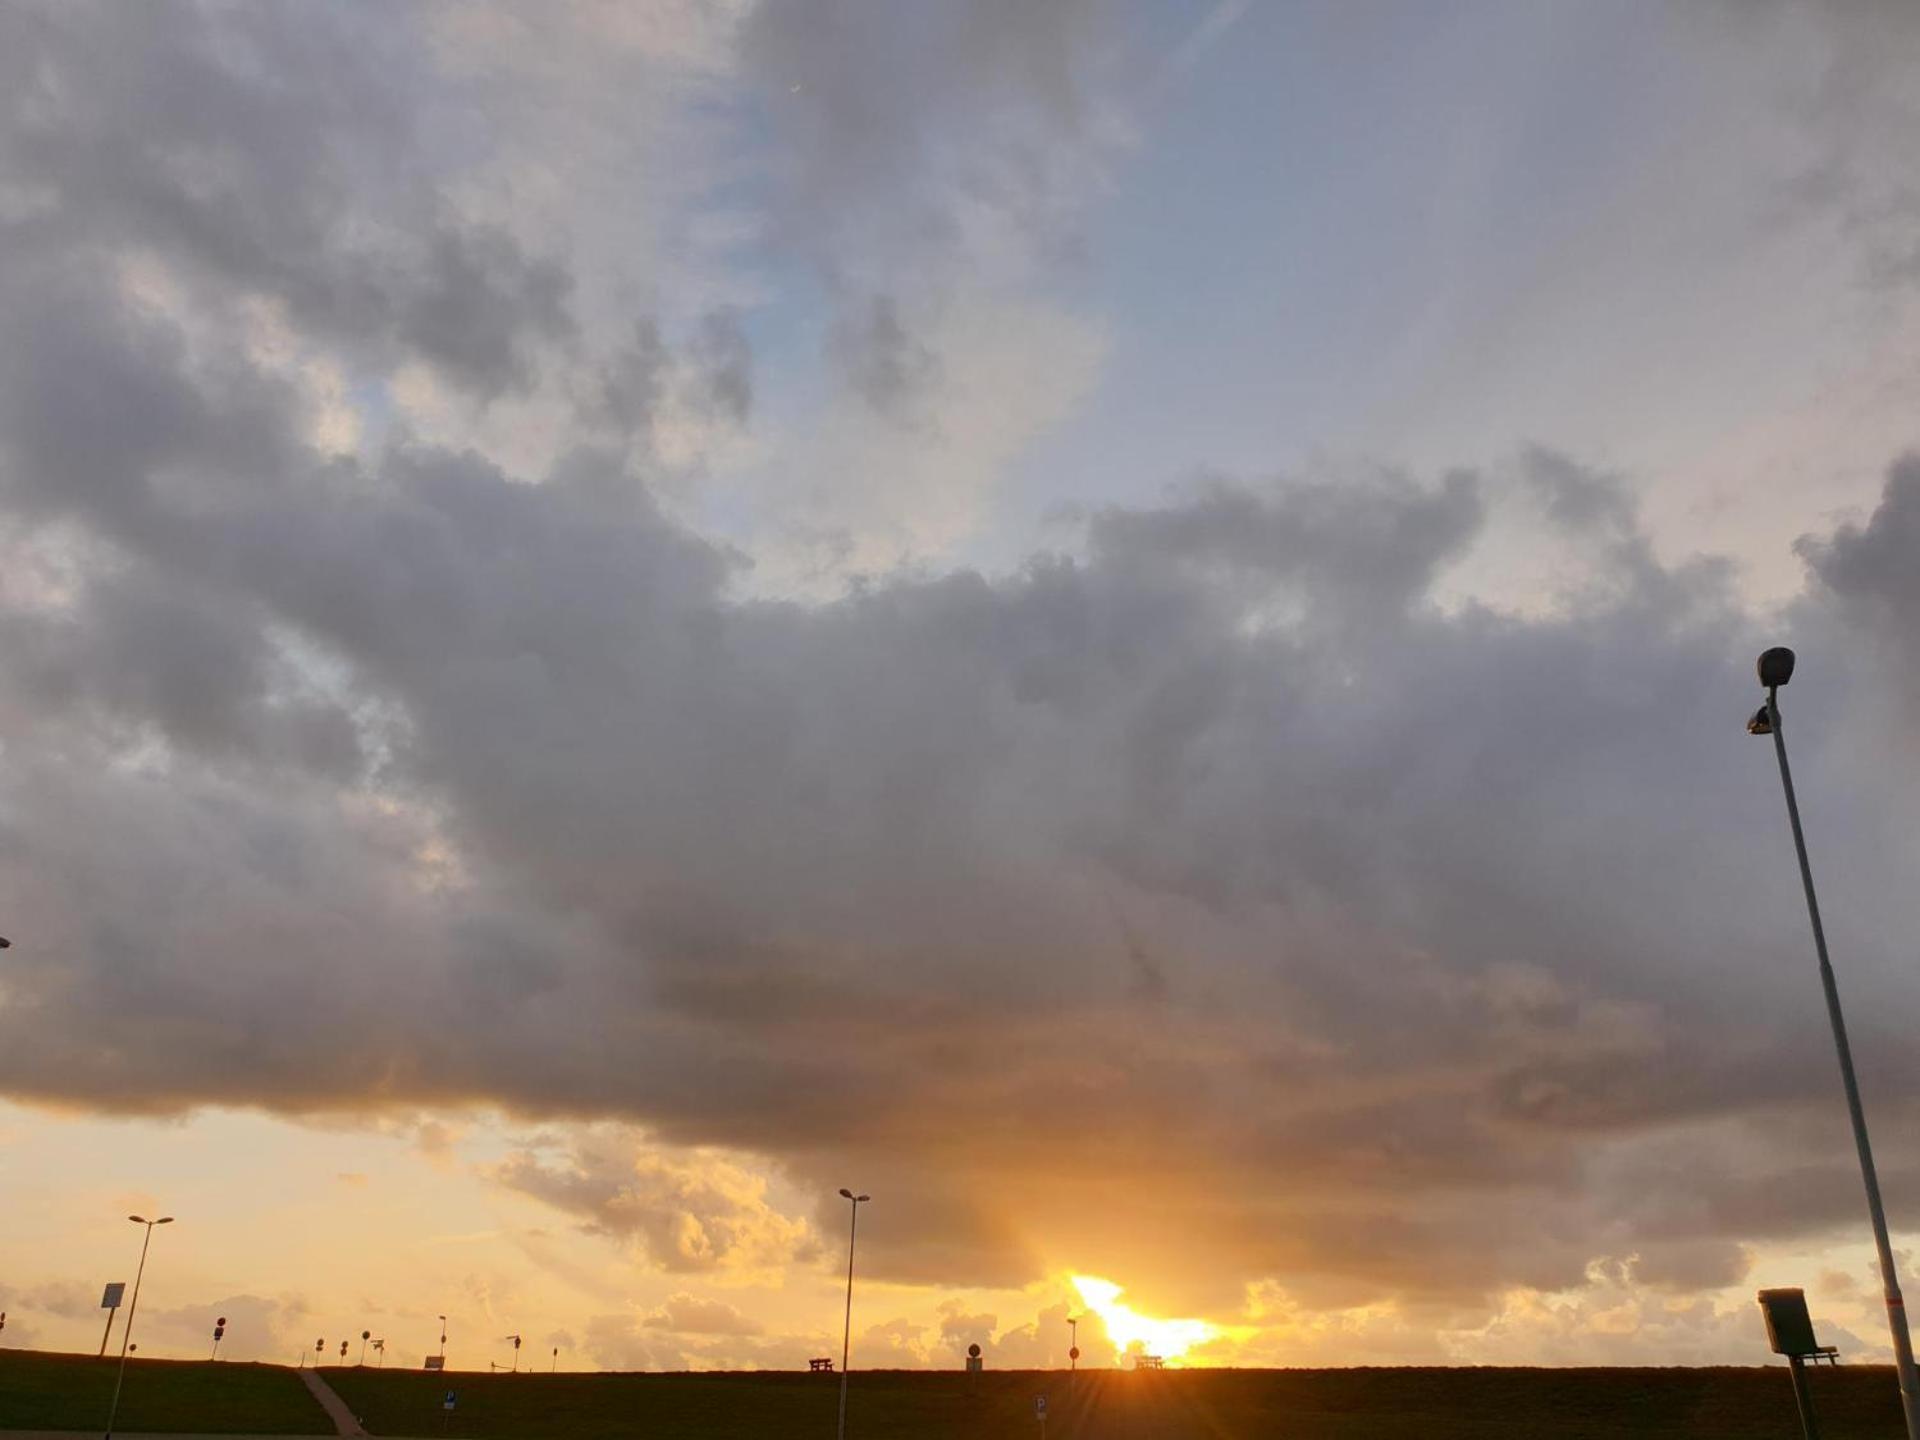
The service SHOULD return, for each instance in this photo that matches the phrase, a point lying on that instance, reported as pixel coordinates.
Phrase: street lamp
(1776, 669)
(1073, 1348)
(443, 1342)
(846, 1335)
(126, 1334)
(5, 944)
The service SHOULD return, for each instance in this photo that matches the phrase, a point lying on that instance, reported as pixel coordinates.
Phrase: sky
(1125, 626)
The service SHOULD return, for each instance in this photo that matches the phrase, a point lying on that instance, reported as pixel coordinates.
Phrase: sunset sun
(1128, 1328)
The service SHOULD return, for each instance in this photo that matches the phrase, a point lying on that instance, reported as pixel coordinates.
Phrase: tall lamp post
(846, 1335)
(133, 1306)
(1776, 669)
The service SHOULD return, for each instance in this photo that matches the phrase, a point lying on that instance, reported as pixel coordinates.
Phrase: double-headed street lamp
(846, 1335)
(1776, 669)
(133, 1306)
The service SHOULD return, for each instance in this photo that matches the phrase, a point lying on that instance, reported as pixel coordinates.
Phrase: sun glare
(1129, 1329)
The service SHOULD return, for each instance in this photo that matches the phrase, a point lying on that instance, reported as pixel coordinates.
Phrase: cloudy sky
(1125, 625)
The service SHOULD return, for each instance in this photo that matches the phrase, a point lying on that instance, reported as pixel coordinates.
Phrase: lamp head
(138, 1219)
(164, 1220)
(1776, 666)
(5, 944)
(846, 1193)
(862, 1199)
(1761, 723)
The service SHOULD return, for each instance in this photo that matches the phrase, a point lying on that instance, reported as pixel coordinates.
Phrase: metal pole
(846, 1335)
(1889, 1277)
(127, 1333)
(1809, 1427)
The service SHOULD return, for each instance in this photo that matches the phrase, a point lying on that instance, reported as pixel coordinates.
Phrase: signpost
(1040, 1412)
(110, 1299)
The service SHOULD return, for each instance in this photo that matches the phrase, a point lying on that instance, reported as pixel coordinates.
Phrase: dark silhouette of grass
(41, 1391)
(1856, 1403)
(70, 1392)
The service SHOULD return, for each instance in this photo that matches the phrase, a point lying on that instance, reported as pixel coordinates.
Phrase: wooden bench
(825, 1362)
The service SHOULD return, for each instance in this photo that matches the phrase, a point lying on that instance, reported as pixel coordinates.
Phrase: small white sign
(1040, 1406)
(447, 1404)
(110, 1298)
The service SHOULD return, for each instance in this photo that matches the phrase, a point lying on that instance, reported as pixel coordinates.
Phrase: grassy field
(71, 1392)
(1855, 1402)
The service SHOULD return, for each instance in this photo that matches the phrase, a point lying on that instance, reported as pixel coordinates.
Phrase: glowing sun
(1127, 1327)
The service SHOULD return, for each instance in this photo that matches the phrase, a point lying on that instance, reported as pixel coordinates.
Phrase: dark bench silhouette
(825, 1362)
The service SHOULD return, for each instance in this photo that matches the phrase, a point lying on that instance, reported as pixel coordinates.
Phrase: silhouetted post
(846, 1335)
(1809, 1427)
(110, 1302)
(1776, 669)
(133, 1306)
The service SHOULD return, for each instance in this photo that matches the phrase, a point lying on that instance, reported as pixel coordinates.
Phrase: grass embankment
(71, 1392)
(41, 1391)
(1855, 1403)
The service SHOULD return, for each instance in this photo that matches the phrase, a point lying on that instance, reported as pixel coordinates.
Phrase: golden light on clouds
(1130, 1330)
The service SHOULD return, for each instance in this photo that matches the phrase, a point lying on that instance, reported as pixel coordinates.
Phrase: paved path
(344, 1420)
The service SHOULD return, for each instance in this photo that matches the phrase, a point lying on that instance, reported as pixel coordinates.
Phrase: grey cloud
(490, 788)
(901, 124)
(843, 881)
(887, 366)
(1870, 569)
(267, 153)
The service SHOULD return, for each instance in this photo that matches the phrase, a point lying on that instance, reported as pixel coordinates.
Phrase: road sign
(111, 1297)
(1040, 1407)
(436, 1362)
(447, 1404)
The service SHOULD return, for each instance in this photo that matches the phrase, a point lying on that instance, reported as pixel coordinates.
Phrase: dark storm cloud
(1208, 902)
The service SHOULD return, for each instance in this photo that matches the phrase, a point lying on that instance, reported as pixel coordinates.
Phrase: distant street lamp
(846, 1335)
(443, 1342)
(365, 1335)
(1776, 669)
(1073, 1349)
(133, 1306)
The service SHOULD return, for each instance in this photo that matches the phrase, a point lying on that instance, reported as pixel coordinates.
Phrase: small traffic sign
(447, 1404)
